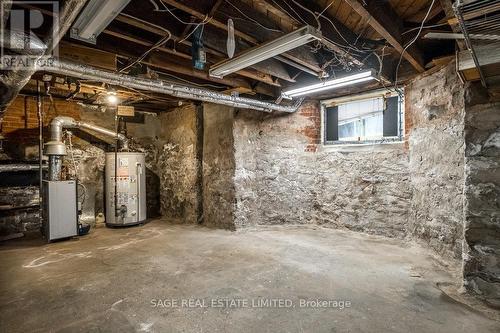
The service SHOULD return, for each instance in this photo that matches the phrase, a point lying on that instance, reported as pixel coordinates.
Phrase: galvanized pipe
(66, 68)
(58, 123)
(19, 167)
(118, 136)
(55, 148)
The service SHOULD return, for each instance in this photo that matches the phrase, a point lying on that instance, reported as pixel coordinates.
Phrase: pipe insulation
(6, 6)
(12, 81)
(66, 68)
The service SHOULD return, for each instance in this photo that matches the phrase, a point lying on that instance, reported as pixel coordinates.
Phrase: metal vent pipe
(56, 148)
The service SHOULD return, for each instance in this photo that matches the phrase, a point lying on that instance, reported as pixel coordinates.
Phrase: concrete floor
(109, 280)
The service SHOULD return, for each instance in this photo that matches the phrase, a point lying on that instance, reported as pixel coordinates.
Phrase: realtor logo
(25, 29)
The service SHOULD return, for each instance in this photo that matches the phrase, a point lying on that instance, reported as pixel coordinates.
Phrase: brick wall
(20, 124)
(312, 131)
(408, 123)
(20, 119)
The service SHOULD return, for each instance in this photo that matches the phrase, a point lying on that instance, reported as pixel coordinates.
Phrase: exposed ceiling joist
(286, 22)
(382, 18)
(338, 38)
(448, 11)
(420, 15)
(159, 61)
(252, 40)
(330, 41)
(258, 74)
(265, 78)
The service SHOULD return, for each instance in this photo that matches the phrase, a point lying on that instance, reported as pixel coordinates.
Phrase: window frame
(355, 98)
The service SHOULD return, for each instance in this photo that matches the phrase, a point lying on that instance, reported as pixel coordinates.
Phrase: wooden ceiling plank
(219, 55)
(448, 11)
(246, 73)
(210, 49)
(237, 33)
(376, 13)
(420, 15)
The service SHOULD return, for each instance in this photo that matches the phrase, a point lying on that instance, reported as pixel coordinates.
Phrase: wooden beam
(286, 22)
(448, 11)
(252, 40)
(239, 90)
(487, 55)
(215, 7)
(382, 18)
(420, 15)
(259, 75)
(246, 73)
(333, 38)
(87, 55)
(158, 60)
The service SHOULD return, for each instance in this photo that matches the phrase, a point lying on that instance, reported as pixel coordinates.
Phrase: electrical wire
(326, 8)
(166, 9)
(157, 45)
(249, 18)
(146, 22)
(84, 196)
(192, 32)
(426, 27)
(310, 12)
(411, 42)
(292, 16)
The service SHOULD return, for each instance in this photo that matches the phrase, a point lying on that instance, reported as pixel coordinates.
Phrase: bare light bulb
(112, 99)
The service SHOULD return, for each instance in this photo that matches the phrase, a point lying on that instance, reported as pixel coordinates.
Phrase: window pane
(361, 120)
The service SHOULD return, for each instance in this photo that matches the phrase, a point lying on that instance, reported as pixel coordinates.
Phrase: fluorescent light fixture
(265, 51)
(331, 84)
(95, 17)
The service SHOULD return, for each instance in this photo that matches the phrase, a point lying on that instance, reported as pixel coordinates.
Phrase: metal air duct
(13, 81)
(66, 68)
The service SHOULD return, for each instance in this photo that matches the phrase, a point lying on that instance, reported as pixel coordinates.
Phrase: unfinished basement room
(261, 166)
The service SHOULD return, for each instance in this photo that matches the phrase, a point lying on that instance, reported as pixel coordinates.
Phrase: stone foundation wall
(173, 154)
(435, 110)
(284, 177)
(481, 267)
(218, 167)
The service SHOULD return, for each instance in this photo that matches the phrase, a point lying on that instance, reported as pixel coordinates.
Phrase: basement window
(367, 120)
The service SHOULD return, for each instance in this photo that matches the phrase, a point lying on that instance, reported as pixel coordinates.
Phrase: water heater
(130, 189)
